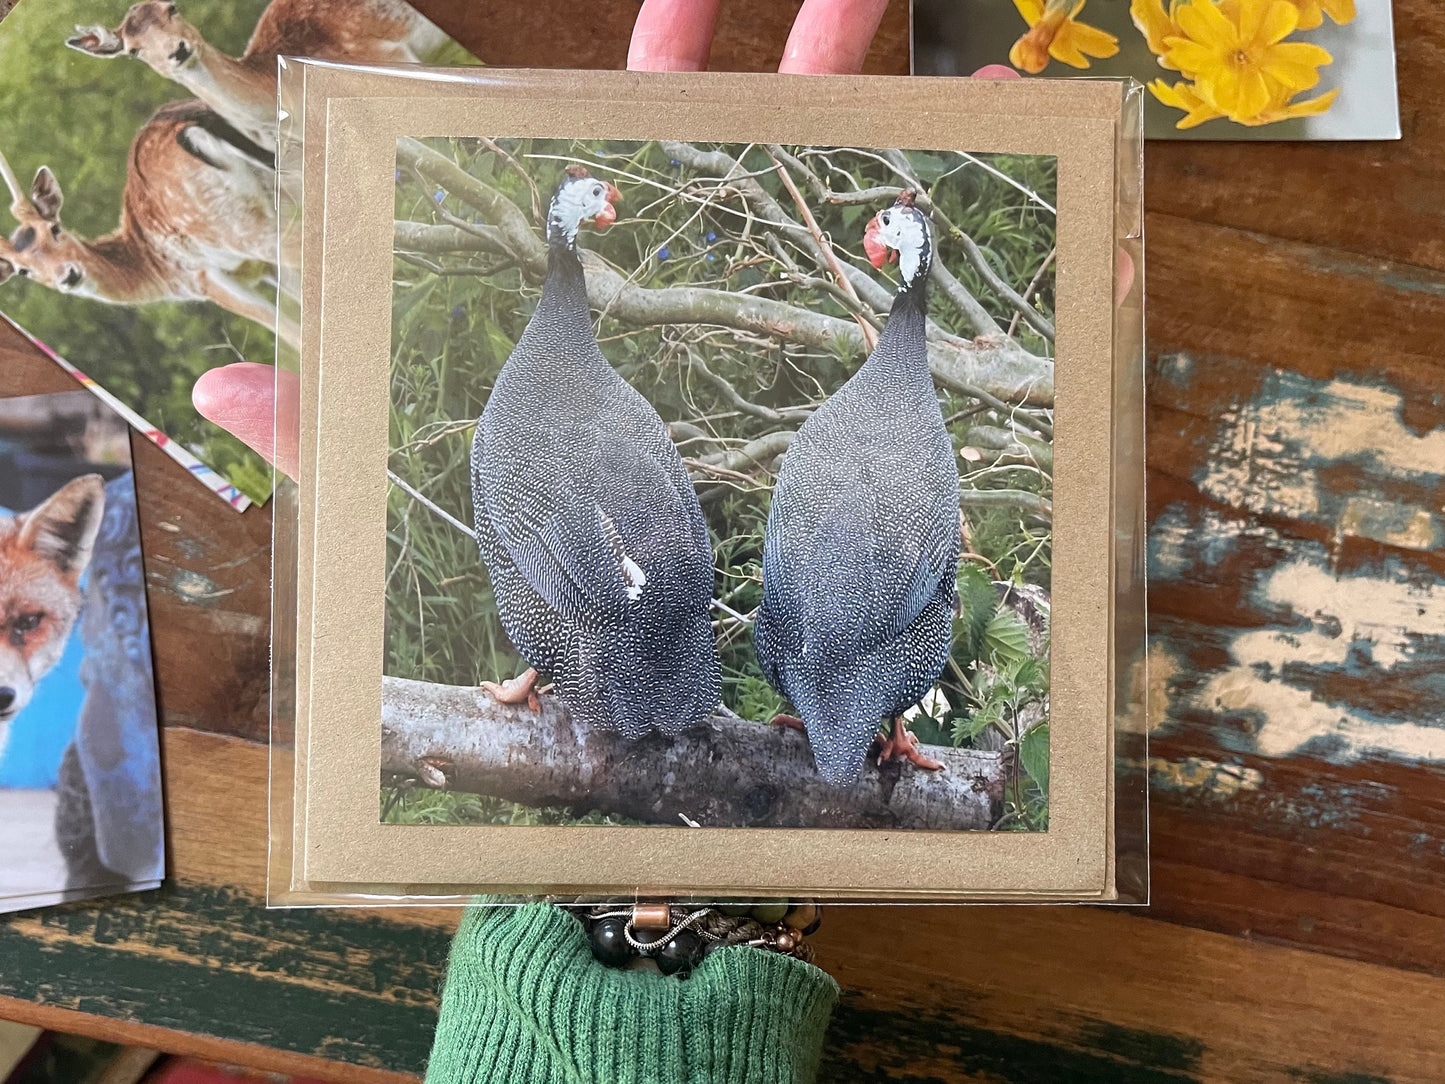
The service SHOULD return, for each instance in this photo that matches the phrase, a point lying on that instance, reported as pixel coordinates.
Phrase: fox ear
(63, 529)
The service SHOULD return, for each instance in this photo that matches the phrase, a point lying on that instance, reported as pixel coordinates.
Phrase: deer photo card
(137, 150)
(684, 477)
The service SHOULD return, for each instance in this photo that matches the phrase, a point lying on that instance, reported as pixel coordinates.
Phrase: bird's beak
(608, 215)
(878, 252)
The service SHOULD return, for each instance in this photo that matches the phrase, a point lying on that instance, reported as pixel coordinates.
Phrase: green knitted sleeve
(525, 1003)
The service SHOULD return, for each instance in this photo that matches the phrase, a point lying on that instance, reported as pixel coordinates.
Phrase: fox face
(43, 554)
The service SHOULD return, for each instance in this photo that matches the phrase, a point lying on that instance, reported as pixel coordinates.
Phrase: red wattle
(875, 248)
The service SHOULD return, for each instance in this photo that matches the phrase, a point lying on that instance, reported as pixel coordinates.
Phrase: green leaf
(978, 602)
(498, 341)
(966, 729)
(1006, 639)
(404, 302)
(1034, 754)
(927, 167)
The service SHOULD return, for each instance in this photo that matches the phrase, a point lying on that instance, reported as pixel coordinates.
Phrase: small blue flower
(710, 257)
(439, 195)
(663, 253)
(398, 175)
(711, 237)
(676, 164)
(458, 312)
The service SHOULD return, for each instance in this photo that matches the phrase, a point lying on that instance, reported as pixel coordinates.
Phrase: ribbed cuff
(525, 1002)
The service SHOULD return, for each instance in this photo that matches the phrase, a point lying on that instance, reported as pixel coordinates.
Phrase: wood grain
(1297, 503)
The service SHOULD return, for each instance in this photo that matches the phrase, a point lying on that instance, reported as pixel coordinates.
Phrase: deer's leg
(237, 297)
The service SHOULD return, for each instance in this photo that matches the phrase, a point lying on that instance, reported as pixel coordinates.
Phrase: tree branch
(729, 773)
(1007, 498)
(1003, 369)
(444, 240)
(755, 453)
(1010, 442)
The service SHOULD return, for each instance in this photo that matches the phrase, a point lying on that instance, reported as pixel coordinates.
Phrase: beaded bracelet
(677, 937)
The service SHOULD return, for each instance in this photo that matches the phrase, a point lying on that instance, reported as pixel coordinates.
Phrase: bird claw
(903, 744)
(792, 722)
(518, 690)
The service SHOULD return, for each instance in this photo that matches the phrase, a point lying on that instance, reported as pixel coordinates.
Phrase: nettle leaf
(966, 729)
(1006, 639)
(978, 602)
(1034, 754)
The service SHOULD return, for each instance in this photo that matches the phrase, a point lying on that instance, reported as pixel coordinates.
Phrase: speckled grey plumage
(861, 551)
(572, 473)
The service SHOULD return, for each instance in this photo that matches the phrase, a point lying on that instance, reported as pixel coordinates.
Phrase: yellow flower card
(1215, 69)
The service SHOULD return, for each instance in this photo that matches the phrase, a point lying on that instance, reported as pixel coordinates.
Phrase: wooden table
(1297, 443)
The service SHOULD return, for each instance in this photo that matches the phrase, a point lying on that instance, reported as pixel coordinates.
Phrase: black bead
(680, 953)
(609, 943)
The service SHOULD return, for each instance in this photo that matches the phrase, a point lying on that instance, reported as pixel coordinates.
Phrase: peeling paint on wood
(1304, 636)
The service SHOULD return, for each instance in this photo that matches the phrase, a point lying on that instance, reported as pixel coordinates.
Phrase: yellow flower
(1155, 23)
(1054, 32)
(1312, 12)
(1237, 55)
(1155, 18)
(1196, 110)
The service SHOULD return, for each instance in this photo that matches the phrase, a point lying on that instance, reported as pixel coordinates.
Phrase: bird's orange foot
(517, 690)
(902, 743)
(792, 722)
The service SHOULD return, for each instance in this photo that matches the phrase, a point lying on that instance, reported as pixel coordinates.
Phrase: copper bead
(786, 940)
(803, 917)
(652, 916)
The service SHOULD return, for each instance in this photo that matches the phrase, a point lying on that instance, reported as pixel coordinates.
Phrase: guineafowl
(861, 550)
(586, 519)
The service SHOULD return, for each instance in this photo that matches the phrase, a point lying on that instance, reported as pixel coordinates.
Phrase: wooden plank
(261, 1058)
(1382, 200)
(1088, 994)
(939, 994)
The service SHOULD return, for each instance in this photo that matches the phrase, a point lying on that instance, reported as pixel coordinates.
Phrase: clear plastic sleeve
(666, 295)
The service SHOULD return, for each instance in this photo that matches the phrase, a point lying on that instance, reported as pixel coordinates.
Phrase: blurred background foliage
(456, 318)
(78, 115)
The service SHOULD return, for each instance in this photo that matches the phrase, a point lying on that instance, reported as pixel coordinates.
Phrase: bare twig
(735, 398)
(430, 504)
(1032, 286)
(825, 247)
(1039, 452)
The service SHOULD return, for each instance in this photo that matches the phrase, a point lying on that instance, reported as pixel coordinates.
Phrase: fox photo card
(137, 154)
(80, 780)
(683, 476)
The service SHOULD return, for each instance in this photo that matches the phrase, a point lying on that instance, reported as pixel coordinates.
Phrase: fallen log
(730, 773)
